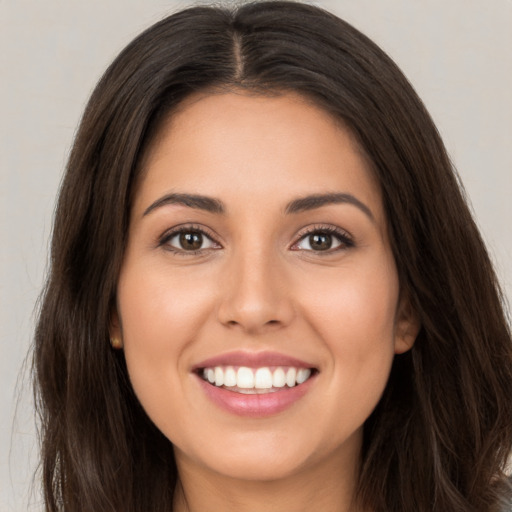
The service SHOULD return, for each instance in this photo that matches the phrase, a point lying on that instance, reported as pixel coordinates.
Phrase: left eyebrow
(314, 201)
(196, 201)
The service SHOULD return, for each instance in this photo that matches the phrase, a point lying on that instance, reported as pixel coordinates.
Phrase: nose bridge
(255, 295)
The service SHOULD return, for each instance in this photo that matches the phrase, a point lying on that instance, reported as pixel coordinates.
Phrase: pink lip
(257, 405)
(252, 360)
(253, 405)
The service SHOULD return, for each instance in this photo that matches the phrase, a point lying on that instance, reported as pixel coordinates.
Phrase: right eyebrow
(200, 202)
(314, 201)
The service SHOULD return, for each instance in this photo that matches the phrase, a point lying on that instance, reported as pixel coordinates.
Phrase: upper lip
(252, 360)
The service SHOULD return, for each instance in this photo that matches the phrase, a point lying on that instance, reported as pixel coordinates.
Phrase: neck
(329, 487)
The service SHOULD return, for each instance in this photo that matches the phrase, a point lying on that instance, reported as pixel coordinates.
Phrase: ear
(115, 332)
(407, 325)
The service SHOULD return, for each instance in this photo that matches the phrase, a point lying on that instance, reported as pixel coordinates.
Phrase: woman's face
(258, 257)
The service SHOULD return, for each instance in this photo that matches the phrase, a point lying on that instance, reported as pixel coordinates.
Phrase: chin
(266, 457)
(260, 469)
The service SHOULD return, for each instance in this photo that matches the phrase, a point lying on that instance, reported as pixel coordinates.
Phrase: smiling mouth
(252, 381)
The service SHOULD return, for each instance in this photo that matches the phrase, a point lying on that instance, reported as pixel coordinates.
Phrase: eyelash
(189, 228)
(345, 240)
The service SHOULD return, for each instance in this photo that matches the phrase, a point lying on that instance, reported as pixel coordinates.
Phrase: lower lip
(257, 405)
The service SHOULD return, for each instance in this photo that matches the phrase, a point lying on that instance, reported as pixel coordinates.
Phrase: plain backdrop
(456, 53)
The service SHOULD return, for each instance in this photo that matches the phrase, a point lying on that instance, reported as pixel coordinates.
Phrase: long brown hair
(439, 439)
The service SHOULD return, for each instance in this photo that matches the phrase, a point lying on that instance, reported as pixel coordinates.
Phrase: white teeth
(246, 378)
(219, 376)
(230, 377)
(291, 376)
(263, 378)
(278, 378)
(303, 375)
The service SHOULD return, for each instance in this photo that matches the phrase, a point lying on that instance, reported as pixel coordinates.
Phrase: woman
(267, 291)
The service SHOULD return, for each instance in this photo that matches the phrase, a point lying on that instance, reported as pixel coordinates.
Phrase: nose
(255, 295)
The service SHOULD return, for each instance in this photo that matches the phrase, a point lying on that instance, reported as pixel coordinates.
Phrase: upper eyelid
(323, 228)
(183, 228)
(344, 237)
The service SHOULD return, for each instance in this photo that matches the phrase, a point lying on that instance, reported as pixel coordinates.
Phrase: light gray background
(457, 54)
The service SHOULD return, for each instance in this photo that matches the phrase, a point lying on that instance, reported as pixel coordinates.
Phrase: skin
(259, 286)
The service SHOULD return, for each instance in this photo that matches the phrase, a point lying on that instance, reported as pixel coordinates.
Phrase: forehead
(231, 144)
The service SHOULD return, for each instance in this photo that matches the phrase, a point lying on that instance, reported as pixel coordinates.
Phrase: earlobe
(116, 343)
(407, 326)
(116, 339)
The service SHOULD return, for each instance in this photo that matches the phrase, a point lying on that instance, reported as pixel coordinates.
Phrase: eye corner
(200, 236)
(338, 239)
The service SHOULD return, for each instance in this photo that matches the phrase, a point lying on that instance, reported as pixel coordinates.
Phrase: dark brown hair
(439, 439)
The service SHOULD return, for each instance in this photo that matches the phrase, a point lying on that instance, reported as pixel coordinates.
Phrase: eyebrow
(317, 200)
(299, 205)
(199, 202)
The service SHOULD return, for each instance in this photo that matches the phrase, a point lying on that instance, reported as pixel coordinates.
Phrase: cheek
(354, 312)
(160, 316)
(358, 302)
(160, 310)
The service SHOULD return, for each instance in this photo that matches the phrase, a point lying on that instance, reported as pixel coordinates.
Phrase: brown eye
(192, 241)
(320, 241)
(323, 240)
(188, 241)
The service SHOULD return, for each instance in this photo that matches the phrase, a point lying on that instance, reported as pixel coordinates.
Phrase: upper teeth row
(256, 378)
